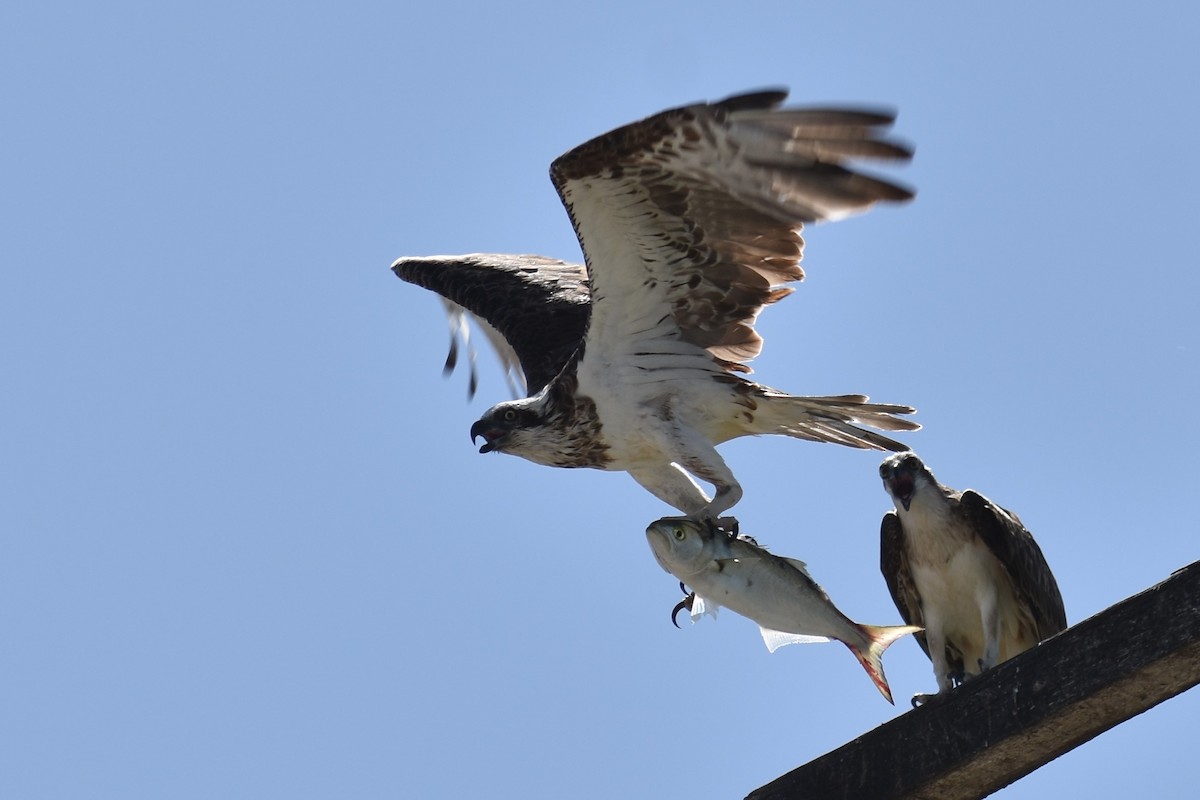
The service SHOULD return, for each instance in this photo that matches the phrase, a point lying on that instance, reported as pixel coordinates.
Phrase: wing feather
(1014, 546)
(690, 220)
(893, 563)
(460, 321)
(538, 306)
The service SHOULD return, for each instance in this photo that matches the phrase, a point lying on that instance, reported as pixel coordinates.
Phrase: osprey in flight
(690, 224)
(964, 569)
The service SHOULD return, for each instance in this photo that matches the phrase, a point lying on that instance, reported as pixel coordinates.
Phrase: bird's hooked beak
(902, 485)
(490, 433)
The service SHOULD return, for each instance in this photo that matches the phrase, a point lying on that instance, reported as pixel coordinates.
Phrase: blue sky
(248, 548)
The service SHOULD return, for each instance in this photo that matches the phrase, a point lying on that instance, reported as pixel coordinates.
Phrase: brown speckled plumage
(690, 223)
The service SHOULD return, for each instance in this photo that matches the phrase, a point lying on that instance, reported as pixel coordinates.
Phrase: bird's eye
(883, 470)
(679, 533)
(510, 415)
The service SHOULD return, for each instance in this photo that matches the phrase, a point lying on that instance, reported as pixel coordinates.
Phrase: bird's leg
(726, 526)
(937, 653)
(726, 497)
(673, 483)
(990, 617)
(669, 483)
(693, 453)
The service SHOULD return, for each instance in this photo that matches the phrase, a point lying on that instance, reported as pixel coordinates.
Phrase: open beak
(902, 485)
(489, 433)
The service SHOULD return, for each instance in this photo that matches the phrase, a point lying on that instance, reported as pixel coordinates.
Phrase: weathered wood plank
(1024, 713)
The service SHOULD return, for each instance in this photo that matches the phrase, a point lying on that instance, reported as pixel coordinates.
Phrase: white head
(512, 426)
(904, 475)
(553, 428)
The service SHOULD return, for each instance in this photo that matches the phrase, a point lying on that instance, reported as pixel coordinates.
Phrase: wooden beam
(1025, 712)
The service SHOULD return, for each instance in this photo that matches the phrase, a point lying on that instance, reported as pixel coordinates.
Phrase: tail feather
(831, 419)
(880, 638)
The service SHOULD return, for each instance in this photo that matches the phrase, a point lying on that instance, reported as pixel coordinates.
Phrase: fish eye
(679, 533)
(510, 415)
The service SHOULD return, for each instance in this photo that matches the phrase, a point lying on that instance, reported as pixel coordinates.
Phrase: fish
(773, 591)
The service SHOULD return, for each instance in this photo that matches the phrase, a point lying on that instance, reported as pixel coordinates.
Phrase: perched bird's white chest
(934, 535)
(965, 569)
(959, 581)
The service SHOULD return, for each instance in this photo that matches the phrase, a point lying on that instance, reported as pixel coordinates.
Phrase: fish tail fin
(831, 419)
(879, 638)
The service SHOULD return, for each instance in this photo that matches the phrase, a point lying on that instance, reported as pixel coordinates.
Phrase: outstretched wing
(461, 321)
(893, 563)
(690, 220)
(539, 306)
(1013, 545)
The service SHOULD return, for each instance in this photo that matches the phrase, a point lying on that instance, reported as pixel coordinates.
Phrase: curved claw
(681, 605)
(919, 700)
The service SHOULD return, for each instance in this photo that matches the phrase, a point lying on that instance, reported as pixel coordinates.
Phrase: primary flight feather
(690, 225)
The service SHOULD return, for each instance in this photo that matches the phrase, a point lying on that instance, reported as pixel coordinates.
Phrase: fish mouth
(659, 544)
(490, 433)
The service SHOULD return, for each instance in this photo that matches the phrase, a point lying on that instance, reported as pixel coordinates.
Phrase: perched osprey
(690, 224)
(964, 569)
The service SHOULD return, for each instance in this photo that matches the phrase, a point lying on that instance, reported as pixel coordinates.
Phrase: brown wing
(1013, 545)
(893, 563)
(690, 220)
(539, 305)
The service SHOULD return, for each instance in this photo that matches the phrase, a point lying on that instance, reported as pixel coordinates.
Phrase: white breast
(959, 581)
